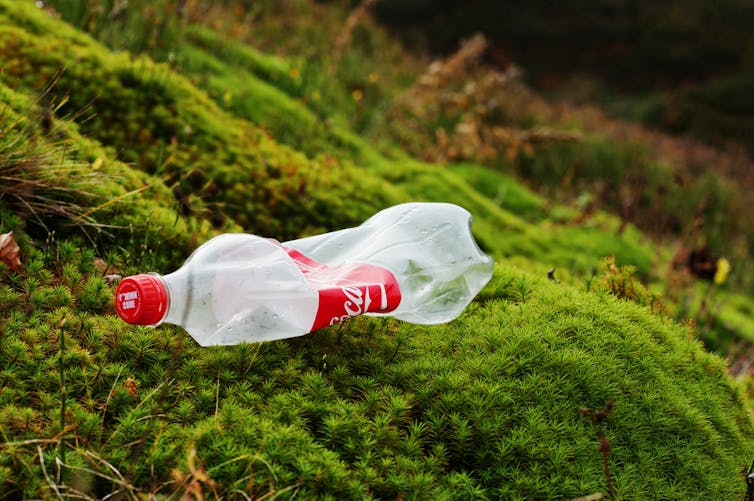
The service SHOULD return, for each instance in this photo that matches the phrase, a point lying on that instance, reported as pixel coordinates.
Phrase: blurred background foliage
(685, 66)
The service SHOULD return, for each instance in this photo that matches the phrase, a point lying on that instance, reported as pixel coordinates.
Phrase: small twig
(107, 464)
(61, 369)
(52, 484)
(110, 396)
(605, 450)
(353, 19)
(114, 493)
(750, 483)
(117, 199)
(274, 493)
(217, 393)
(33, 441)
(590, 497)
(597, 418)
(71, 493)
(242, 493)
(150, 395)
(130, 489)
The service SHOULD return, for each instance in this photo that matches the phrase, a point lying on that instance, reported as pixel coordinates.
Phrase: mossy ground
(484, 407)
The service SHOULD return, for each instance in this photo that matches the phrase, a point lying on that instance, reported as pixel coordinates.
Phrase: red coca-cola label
(348, 290)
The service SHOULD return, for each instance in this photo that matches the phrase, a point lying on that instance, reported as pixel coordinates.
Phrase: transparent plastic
(240, 288)
(243, 288)
(429, 248)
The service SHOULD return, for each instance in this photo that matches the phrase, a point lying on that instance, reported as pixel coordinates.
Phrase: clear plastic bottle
(417, 262)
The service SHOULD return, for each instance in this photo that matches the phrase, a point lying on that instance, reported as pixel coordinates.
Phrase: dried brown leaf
(9, 251)
(132, 387)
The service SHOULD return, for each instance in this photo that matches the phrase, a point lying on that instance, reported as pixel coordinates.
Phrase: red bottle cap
(141, 299)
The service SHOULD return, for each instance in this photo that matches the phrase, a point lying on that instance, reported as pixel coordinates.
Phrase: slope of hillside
(149, 161)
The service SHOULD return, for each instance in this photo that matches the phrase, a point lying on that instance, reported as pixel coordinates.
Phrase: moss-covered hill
(112, 164)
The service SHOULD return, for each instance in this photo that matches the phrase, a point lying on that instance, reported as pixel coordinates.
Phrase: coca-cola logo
(358, 301)
(348, 290)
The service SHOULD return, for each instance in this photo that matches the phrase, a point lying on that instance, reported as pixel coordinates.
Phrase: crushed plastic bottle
(417, 262)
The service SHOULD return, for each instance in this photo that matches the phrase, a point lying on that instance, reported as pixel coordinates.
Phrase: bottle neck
(181, 288)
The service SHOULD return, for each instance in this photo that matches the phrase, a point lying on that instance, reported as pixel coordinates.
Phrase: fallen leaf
(101, 266)
(112, 278)
(9, 251)
(131, 387)
(105, 268)
(722, 270)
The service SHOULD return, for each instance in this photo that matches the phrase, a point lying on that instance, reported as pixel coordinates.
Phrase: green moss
(263, 91)
(278, 72)
(78, 182)
(214, 162)
(487, 405)
(504, 190)
(248, 96)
